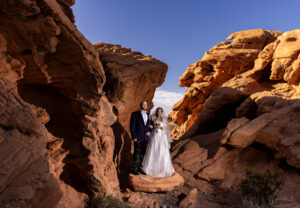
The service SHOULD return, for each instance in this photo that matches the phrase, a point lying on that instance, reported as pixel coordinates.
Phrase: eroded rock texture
(223, 62)
(24, 156)
(243, 113)
(59, 119)
(46, 62)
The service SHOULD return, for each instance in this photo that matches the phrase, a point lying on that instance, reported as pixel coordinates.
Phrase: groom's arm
(132, 126)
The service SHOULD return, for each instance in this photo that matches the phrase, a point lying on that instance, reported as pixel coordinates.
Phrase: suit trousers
(138, 155)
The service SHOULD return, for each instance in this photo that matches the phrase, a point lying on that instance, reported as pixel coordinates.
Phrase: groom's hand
(148, 133)
(135, 140)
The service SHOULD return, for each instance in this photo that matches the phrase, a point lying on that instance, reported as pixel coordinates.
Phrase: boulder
(191, 200)
(147, 183)
(196, 200)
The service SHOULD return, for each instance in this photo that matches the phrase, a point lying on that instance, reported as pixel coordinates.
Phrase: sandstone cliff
(57, 126)
(241, 109)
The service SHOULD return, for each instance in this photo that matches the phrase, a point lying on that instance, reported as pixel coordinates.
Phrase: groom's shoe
(142, 172)
(135, 171)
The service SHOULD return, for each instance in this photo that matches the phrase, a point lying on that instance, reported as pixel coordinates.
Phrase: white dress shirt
(145, 116)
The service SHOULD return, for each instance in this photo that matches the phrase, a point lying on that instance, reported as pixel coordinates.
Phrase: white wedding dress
(157, 160)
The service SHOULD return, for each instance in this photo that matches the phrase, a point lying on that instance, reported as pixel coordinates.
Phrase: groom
(140, 129)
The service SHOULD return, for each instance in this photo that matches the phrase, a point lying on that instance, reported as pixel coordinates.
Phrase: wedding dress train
(157, 160)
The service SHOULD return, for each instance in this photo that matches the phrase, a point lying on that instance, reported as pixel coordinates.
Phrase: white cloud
(166, 100)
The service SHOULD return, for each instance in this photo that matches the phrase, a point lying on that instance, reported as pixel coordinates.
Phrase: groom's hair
(141, 103)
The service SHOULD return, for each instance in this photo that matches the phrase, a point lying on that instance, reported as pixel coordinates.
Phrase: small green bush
(108, 202)
(258, 189)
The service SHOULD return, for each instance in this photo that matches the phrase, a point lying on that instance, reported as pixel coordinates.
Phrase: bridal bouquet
(156, 125)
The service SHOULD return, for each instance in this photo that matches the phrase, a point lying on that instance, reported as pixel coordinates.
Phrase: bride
(157, 160)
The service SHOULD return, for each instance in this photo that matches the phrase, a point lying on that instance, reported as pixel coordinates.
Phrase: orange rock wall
(250, 120)
(58, 125)
(223, 62)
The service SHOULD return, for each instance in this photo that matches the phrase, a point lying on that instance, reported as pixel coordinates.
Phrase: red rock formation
(129, 73)
(250, 120)
(131, 78)
(46, 62)
(58, 127)
(223, 62)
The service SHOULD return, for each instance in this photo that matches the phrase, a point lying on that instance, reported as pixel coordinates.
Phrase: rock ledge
(148, 184)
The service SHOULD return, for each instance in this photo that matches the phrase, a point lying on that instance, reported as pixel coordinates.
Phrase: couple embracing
(151, 136)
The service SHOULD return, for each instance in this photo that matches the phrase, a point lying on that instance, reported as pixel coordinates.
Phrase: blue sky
(178, 32)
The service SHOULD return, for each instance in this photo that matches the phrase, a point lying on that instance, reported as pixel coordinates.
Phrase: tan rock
(191, 200)
(230, 167)
(194, 200)
(285, 63)
(140, 200)
(246, 135)
(72, 198)
(220, 64)
(232, 126)
(193, 154)
(149, 184)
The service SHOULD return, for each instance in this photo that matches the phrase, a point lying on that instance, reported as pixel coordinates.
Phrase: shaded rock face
(131, 78)
(46, 62)
(24, 156)
(249, 120)
(58, 126)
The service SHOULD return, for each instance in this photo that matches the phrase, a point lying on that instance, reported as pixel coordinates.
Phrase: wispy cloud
(166, 100)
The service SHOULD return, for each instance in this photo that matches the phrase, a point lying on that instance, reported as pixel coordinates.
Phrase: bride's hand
(150, 126)
(160, 127)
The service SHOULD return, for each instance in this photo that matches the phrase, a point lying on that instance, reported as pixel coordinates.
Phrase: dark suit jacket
(138, 128)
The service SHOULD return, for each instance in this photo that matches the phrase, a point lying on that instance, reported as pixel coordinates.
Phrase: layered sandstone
(250, 120)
